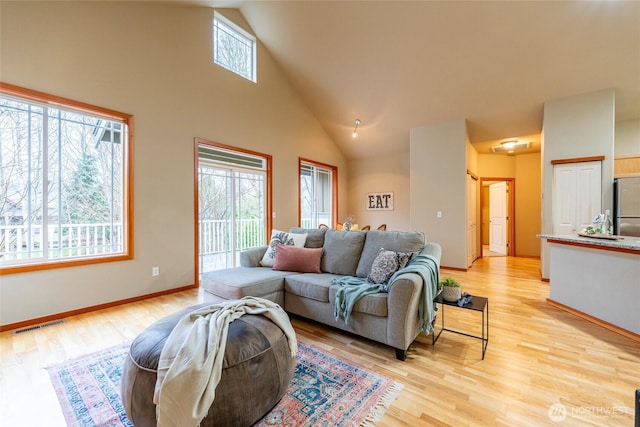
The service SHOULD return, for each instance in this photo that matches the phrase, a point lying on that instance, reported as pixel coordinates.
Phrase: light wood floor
(537, 356)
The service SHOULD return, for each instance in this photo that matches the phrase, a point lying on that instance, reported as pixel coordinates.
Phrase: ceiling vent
(510, 146)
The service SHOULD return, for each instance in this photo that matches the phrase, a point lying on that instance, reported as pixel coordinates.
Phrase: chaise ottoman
(257, 370)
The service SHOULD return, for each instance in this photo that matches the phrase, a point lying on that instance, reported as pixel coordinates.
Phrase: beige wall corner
(380, 175)
(153, 60)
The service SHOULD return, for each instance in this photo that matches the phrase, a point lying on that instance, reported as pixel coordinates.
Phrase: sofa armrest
(402, 302)
(252, 257)
(433, 249)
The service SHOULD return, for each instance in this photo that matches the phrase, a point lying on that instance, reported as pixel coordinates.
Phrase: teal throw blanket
(350, 291)
(354, 288)
(427, 267)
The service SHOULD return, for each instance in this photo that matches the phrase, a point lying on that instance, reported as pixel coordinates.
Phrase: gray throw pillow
(387, 263)
(397, 241)
(315, 236)
(342, 251)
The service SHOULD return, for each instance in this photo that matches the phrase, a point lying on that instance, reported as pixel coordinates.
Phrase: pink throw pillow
(294, 258)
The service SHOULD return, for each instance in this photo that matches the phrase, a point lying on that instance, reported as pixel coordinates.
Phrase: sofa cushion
(309, 285)
(292, 258)
(374, 304)
(315, 236)
(397, 241)
(385, 264)
(284, 238)
(239, 282)
(342, 251)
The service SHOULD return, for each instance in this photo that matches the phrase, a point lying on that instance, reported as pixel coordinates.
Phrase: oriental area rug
(325, 391)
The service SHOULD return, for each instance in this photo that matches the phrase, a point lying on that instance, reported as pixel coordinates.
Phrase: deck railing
(62, 240)
(215, 235)
(215, 241)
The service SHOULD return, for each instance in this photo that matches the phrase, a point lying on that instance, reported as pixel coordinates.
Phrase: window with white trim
(63, 181)
(234, 48)
(317, 194)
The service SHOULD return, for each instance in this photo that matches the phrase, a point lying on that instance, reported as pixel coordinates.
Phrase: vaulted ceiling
(397, 65)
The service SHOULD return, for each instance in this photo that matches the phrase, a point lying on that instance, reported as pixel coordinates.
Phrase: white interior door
(498, 217)
(577, 196)
(564, 199)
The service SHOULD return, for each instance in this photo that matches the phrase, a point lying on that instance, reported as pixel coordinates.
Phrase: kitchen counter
(597, 279)
(630, 243)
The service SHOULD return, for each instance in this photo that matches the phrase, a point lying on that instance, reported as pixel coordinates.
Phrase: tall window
(63, 181)
(233, 201)
(318, 194)
(234, 48)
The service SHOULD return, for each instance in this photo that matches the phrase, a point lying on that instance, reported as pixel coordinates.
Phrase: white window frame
(95, 246)
(222, 23)
(329, 214)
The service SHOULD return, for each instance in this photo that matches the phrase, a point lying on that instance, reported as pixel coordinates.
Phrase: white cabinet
(577, 195)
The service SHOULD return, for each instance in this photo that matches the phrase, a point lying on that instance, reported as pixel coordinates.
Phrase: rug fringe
(382, 405)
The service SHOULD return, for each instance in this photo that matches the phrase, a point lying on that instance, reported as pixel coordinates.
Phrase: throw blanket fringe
(354, 288)
(190, 364)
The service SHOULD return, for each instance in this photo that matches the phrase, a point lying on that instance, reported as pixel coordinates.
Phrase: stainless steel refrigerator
(626, 206)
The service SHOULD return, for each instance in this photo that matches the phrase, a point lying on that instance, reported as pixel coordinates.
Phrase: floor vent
(33, 328)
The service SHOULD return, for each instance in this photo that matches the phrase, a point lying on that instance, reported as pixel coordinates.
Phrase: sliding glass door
(232, 190)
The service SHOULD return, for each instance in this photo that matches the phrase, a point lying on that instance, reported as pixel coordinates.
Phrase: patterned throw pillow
(283, 238)
(386, 263)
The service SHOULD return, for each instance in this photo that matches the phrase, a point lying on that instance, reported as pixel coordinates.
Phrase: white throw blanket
(190, 364)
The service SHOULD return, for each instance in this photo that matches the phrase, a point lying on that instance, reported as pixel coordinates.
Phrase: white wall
(438, 183)
(153, 61)
(380, 175)
(578, 126)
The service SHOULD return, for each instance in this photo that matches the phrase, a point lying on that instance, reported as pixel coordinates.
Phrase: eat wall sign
(380, 201)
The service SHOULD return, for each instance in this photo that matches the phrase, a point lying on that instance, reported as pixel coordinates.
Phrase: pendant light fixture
(355, 129)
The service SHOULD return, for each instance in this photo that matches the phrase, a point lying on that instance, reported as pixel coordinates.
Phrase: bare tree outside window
(77, 211)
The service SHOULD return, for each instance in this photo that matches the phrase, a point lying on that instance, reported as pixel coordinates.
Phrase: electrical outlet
(155, 271)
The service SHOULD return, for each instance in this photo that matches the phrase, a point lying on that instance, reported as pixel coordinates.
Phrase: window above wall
(234, 48)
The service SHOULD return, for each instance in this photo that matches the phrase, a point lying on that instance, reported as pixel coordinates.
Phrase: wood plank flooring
(542, 364)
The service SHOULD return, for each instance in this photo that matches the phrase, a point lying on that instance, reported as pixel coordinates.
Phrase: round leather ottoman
(256, 373)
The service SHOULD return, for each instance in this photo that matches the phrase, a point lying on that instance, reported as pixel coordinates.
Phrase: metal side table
(477, 303)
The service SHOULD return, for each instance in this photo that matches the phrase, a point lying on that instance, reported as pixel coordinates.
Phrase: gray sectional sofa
(391, 318)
